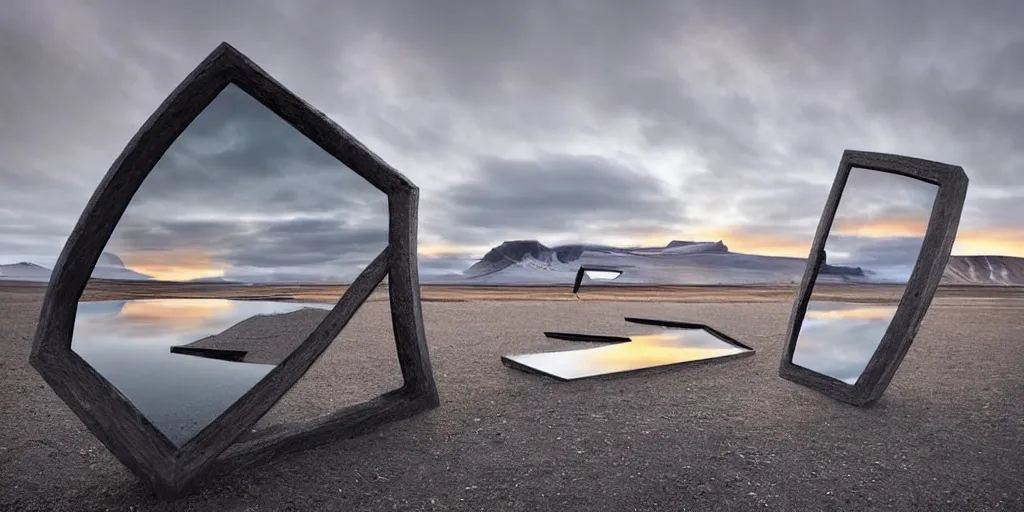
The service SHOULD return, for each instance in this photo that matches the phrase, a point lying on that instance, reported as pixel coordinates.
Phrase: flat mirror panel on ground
(659, 347)
(874, 242)
(233, 250)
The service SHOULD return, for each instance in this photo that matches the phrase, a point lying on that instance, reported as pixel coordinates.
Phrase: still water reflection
(838, 338)
(671, 346)
(128, 342)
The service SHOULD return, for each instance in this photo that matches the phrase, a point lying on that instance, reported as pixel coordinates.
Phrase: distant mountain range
(529, 262)
(109, 266)
(526, 262)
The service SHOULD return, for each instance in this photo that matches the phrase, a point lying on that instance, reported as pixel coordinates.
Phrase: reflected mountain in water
(838, 338)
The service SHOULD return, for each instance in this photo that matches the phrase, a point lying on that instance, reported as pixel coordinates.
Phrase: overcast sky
(615, 122)
(243, 194)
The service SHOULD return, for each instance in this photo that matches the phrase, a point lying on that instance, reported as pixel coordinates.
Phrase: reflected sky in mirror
(243, 196)
(128, 342)
(880, 224)
(671, 346)
(838, 338)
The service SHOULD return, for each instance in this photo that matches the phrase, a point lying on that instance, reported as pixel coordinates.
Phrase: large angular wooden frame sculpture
(917, 296)
(111, 417)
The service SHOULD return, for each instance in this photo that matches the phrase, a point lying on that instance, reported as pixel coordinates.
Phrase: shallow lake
(128, 342)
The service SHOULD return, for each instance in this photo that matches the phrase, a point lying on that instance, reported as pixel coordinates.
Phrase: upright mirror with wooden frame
(881, 247)
(234, 188)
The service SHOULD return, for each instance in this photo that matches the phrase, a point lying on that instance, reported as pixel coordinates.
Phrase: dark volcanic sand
(948, 434)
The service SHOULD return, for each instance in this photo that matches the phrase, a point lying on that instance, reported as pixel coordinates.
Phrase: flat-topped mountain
(681, 262)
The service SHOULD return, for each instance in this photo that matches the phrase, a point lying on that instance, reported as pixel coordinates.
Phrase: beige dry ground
(947, 435)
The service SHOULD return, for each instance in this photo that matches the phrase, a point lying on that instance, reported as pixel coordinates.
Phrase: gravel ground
(948, 434)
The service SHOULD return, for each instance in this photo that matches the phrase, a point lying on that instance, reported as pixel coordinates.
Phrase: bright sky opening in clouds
(627, 123)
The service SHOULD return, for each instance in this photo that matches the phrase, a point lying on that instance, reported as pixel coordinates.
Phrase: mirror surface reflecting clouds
(671, 346)
(242, 205)
(874, 242)
(129, 341)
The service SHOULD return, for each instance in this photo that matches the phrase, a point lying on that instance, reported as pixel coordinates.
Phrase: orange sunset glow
(174, 265)
(440, 250)
(864, 313)
(651, 350)
(742, 240)
(1003, 242)
(192, 313)
(881, 228)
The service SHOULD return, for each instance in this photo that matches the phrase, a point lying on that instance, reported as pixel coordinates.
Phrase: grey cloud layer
(873, 196)
(248, 189)
(557, 194)
(764, 96)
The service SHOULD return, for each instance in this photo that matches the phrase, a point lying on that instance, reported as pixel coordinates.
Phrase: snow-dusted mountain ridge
(693, 262)
(678, 262)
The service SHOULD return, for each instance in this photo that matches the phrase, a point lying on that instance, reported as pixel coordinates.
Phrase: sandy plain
(948, 434)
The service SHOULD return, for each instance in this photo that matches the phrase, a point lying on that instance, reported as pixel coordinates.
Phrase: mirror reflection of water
(879, 225)
(672, 346)
(838, 338)
(128, 342)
